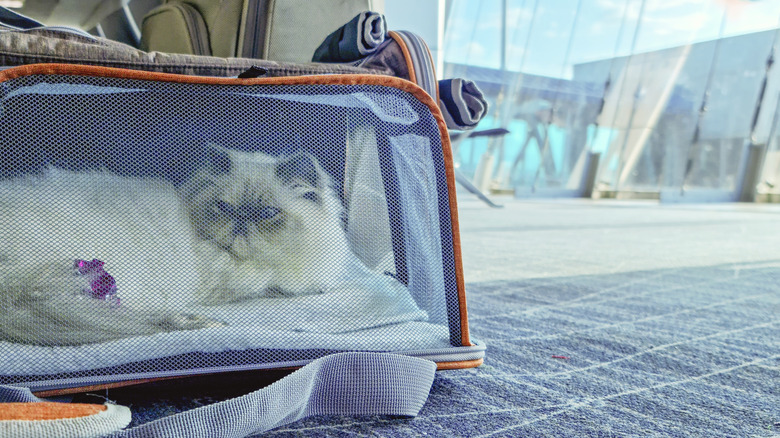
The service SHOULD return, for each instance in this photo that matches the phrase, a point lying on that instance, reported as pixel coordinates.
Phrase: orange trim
(459, 365)
(388, 81)
(36, 411)
(121, 73)
(408, 59)
(456, 245)
(407, 56)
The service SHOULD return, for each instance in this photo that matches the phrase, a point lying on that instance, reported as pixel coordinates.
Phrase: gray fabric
(175, 27)
(388, 58)
(422, 62)
(293, 29)
(223, 20)
(15, 394)
(51, 46)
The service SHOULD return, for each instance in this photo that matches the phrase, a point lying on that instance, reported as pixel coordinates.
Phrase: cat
(243, 225)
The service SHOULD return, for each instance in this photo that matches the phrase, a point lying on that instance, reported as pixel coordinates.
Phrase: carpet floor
(601, 318)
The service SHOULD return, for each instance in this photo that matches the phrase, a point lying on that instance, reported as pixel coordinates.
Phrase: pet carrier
(158, 225)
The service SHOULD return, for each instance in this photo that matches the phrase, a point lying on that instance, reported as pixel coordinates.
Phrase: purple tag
(102, 285)
(86, 268)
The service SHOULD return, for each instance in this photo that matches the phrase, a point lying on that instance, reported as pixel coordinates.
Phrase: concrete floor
(564, 237)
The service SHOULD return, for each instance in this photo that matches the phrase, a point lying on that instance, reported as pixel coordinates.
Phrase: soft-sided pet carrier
(156, 225)
(320, 218)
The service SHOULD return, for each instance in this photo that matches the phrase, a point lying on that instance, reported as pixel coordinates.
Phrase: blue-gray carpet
(601, 319)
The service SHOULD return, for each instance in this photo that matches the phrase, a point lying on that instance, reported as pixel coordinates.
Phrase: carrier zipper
(252, 30)
(452, 354)
(197, 28)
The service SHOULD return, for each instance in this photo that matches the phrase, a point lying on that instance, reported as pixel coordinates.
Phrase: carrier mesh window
(158, 228)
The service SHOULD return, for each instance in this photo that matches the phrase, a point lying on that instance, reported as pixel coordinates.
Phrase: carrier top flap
(50, 45)
(158, 224)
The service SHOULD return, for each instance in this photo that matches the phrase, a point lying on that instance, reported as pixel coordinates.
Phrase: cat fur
(244, 225)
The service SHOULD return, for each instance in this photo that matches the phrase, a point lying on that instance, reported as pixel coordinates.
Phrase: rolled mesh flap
(153, 228)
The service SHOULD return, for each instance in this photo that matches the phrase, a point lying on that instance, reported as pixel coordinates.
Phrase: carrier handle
(15, 20)
(340, 384)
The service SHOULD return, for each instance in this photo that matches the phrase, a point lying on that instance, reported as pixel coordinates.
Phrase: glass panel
(538, 154)
(477, 32)
(645, 97)
(665, 91)
(733, 94)
(769, 180)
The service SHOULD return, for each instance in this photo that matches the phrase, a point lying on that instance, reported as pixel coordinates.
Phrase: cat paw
(40, 283)
(279, 292)
(186, 321)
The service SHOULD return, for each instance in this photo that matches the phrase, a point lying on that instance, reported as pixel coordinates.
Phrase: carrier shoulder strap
(14, 20)
(339, 384)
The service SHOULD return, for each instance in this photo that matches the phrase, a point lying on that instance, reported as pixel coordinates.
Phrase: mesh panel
(151, 228)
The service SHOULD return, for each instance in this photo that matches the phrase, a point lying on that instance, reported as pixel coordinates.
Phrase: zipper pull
(253, 72)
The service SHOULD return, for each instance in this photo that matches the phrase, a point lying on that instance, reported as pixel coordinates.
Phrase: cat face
(254, 205)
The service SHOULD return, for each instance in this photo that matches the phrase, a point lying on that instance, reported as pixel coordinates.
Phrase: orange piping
(407, 56)
(45, 411)
(459, 365)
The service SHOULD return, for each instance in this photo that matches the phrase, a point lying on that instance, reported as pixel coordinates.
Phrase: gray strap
(339, 384)
(14, 20)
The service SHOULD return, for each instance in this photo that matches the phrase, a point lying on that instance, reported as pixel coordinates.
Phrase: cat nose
(227, 209)
(252, 212)
(249, 213)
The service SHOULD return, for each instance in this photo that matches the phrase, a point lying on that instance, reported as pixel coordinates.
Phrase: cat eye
(257, 212)
(312, 196)
(224, 208)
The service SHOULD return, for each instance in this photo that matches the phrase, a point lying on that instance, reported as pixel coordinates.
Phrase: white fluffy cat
(244, 225)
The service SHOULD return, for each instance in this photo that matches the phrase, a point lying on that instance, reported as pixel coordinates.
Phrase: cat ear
(300, 167)
(217, 159)
(182, 164)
